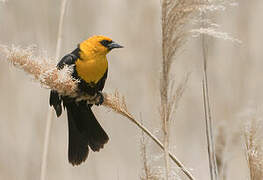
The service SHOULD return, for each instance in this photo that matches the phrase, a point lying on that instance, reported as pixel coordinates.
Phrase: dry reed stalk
(207, 107)
(175, 15)
(208, 28)
(254, 148)
(61, 81)
(117, 103)
(208, 119)
(50, 111)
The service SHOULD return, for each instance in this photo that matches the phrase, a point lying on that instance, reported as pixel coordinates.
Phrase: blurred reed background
(234, 80)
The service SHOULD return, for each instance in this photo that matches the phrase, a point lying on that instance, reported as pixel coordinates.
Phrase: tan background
(235, 77)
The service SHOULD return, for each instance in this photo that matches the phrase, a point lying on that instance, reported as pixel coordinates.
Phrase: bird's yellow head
(98, 45)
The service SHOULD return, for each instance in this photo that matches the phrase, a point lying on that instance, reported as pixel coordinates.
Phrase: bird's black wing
(55, 99)
(68, 59)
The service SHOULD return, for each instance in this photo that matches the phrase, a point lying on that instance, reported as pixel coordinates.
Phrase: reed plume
(175, 16)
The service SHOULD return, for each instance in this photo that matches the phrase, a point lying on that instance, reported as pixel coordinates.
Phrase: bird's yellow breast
(92, 70)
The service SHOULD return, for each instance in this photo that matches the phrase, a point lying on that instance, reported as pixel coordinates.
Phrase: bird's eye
(105, 42)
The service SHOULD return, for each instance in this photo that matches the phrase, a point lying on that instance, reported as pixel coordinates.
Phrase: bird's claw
(99, 98)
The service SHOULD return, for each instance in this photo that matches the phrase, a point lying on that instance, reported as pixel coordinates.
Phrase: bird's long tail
(84, 132)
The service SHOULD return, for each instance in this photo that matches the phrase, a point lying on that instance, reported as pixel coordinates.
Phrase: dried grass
(175, 15)
(254, 148)
(41, 68)
(208, 28)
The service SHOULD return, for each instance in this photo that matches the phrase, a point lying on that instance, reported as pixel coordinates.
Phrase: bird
(90, 68)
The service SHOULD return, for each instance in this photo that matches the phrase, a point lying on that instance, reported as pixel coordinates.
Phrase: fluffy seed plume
(43, 69)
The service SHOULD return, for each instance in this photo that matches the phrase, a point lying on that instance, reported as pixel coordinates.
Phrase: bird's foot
(99, 99)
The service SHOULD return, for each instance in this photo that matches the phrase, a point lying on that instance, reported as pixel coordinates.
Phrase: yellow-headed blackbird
(90, 67)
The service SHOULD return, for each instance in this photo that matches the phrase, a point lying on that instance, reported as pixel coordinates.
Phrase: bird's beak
(113, 45)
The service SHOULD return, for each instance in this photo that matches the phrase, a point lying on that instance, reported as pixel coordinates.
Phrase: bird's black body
(84, 129)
